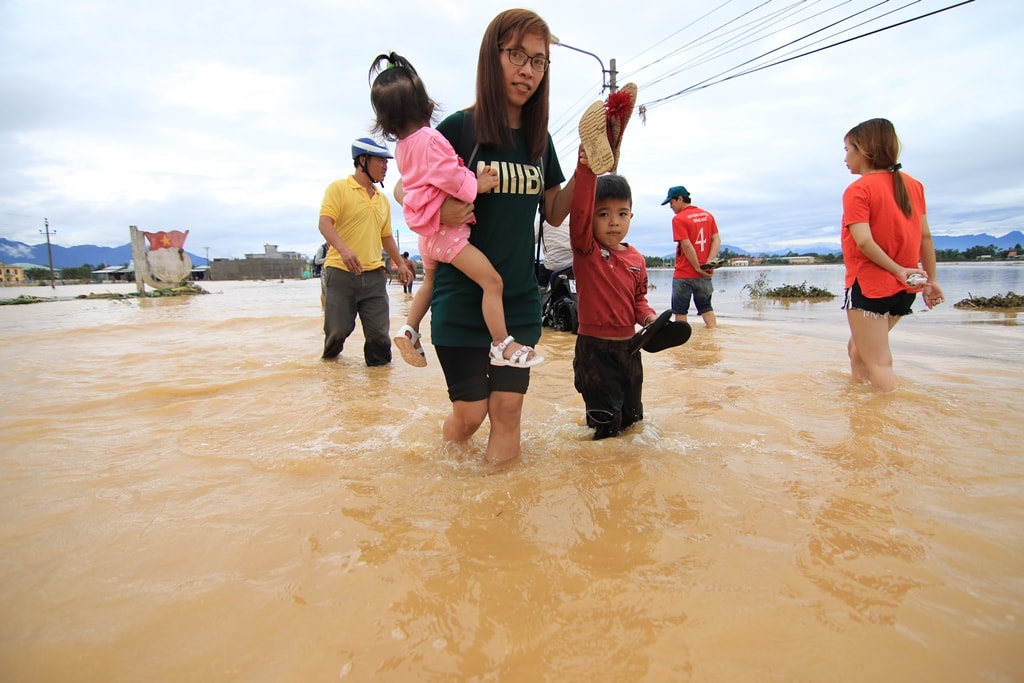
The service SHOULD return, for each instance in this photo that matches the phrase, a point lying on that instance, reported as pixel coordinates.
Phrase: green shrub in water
(761, 289)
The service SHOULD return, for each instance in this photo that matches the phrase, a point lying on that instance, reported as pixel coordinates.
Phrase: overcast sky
(229, 118)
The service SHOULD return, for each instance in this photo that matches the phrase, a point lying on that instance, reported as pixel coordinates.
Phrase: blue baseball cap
(677, 191)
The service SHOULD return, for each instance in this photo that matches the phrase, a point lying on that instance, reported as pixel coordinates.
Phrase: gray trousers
(364, 295)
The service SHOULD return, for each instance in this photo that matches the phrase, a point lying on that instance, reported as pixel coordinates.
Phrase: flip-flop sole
(409, 353)
(594, 138)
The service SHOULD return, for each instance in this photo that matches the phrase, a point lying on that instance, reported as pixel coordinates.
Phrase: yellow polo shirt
(360, 220)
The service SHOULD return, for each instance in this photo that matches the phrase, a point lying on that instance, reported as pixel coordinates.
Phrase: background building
(270, 265)
(12, 275)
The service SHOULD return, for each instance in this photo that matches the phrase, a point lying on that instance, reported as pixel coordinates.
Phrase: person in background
(507, 129)
(887, 249)
(318, 271)
(695, 233)
(557, 251)
(407, 287)
(355, 219)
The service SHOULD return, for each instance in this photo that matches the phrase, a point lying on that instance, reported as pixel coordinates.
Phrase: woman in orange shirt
(887, 248)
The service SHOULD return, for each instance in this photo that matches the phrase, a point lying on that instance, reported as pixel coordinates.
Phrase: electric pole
(49, 252)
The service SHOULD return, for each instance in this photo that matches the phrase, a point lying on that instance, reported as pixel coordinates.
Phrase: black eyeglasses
(519, 58)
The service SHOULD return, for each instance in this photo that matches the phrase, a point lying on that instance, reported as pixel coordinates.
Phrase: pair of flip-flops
(663, 333)
(713, 264)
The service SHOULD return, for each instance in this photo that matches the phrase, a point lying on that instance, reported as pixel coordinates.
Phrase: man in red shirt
(697, 242)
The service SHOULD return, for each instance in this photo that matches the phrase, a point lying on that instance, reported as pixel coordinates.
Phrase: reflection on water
(959, 281)
(188, 493)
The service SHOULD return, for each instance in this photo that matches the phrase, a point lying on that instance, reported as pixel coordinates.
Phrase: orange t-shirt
(871, 199)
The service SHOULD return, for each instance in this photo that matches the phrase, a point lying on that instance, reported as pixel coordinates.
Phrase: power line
(705, 84)
(806, 36)
(749, 31)
(696, 21)
(847, 30)
(732, 36)
(565, 124)
(730, 42)
(699, 39)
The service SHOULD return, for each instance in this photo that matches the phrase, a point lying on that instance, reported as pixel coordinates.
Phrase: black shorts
(896, 305)
(471, 377)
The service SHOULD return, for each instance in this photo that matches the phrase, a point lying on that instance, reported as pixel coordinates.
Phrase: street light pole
(49, 251)
(607, 75)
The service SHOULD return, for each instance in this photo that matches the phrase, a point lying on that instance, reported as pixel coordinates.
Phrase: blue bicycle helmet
(369, 147)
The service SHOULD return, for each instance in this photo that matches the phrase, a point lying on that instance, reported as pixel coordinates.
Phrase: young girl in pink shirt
(431, 172)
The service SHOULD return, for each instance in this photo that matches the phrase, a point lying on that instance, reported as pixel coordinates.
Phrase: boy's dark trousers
(610, 379)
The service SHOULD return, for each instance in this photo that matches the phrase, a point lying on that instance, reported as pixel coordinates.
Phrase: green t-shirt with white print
(504, 232)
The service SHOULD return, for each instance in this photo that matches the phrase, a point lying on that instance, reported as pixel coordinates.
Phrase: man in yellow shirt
(355, 219)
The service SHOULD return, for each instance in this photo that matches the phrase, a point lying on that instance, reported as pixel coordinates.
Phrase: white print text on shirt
(514, 178)
(702, 239)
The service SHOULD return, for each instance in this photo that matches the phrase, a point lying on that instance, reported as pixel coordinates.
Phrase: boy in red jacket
(611, 284)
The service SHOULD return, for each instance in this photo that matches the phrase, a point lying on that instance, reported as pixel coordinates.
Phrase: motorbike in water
(558, 302)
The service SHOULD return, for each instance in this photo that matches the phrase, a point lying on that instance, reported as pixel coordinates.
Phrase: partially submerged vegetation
(23, 299)
(1006, 301)
(761, 289)
(187, 289)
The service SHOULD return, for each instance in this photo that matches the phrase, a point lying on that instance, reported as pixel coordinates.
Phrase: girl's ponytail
(900, 190)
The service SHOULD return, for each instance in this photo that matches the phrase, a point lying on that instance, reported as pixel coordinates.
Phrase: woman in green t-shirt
(509, 132)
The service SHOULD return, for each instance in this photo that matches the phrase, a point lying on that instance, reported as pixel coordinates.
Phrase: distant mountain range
(958, 242)
(964, 242)
(71, 257)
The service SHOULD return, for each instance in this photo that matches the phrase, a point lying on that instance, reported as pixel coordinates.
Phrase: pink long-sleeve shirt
(431, 172)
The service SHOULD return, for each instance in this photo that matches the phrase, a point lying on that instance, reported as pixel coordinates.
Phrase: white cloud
(223, 90)
(229, 122)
